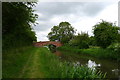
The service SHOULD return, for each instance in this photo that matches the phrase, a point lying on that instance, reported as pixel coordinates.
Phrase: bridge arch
(43, 43)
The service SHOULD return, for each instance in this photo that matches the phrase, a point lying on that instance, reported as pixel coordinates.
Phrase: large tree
(63, 32)
(105, 33)
(17, 21)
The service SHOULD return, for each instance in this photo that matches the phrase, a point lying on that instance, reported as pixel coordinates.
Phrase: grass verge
(95, 52)
(54, 68)
(43, 62)
(14, 60)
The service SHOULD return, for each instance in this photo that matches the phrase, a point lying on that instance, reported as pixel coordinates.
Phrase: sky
(81, 15)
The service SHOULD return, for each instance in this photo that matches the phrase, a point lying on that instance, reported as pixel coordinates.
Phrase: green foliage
(53, 68)
(70, 48)
(92, 41)
(14, 60)
(94, 51)
(105, 33)
(115, 47)
(52, 47)
(99, 53)
(118, 37)
(63, 32)
(81, 40)
(74, 70)
(17, 19)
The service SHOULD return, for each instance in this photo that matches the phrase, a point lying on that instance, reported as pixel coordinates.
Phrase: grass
(14, 60)
(32, 68)
(93, 51)
(54, 68)
(34, 62)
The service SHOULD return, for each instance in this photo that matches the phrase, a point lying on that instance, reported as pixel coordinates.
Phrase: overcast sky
(81, 15)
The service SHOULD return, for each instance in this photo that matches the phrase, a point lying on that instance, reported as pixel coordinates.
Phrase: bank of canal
(111, 67)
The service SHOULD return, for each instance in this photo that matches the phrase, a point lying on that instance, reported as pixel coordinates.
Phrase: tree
(17, 21)
(92, 41)
(63, 32)
(105, 33)
(118, 38)
(81, 41)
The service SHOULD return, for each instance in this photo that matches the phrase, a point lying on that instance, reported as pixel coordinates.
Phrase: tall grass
(13, 61)
(53, 68)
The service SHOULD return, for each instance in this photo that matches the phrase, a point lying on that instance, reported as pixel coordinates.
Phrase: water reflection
(58, 53)
(116, 71)
(109, 66)
(46, 47)
(92, 64)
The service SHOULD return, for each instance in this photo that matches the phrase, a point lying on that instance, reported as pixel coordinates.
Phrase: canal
(111, 67)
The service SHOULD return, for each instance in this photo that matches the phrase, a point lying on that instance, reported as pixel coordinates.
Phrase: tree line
(105, 33)
(17, 21)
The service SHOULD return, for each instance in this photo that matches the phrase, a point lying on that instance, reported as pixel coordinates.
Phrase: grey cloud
(51, 9)
(92, 9)
(41, 27)
(60, 8)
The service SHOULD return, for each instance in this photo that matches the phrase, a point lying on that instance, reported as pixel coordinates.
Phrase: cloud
(61, 8)
(81, 15)
(78, 0)
(42, 36)
(110, 13)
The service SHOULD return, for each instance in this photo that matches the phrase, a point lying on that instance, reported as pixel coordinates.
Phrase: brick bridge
(43, 43)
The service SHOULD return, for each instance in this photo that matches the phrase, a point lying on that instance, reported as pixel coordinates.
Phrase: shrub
(83, 45)
(81, 41)
(115, 47)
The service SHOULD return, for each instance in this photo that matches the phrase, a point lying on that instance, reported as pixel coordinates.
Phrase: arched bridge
(43, 43)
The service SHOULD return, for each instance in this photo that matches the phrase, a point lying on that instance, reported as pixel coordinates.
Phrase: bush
(115, 47)
(83, 45)
(80, 41)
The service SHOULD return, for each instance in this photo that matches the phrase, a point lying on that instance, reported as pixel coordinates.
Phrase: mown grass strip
(13, 61)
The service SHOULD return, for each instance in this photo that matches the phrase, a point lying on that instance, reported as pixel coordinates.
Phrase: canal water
(111, 67)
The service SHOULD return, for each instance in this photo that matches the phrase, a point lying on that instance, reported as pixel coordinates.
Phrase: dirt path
(32, 67)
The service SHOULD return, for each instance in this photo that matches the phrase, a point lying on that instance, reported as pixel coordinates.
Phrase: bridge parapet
(43, 43)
